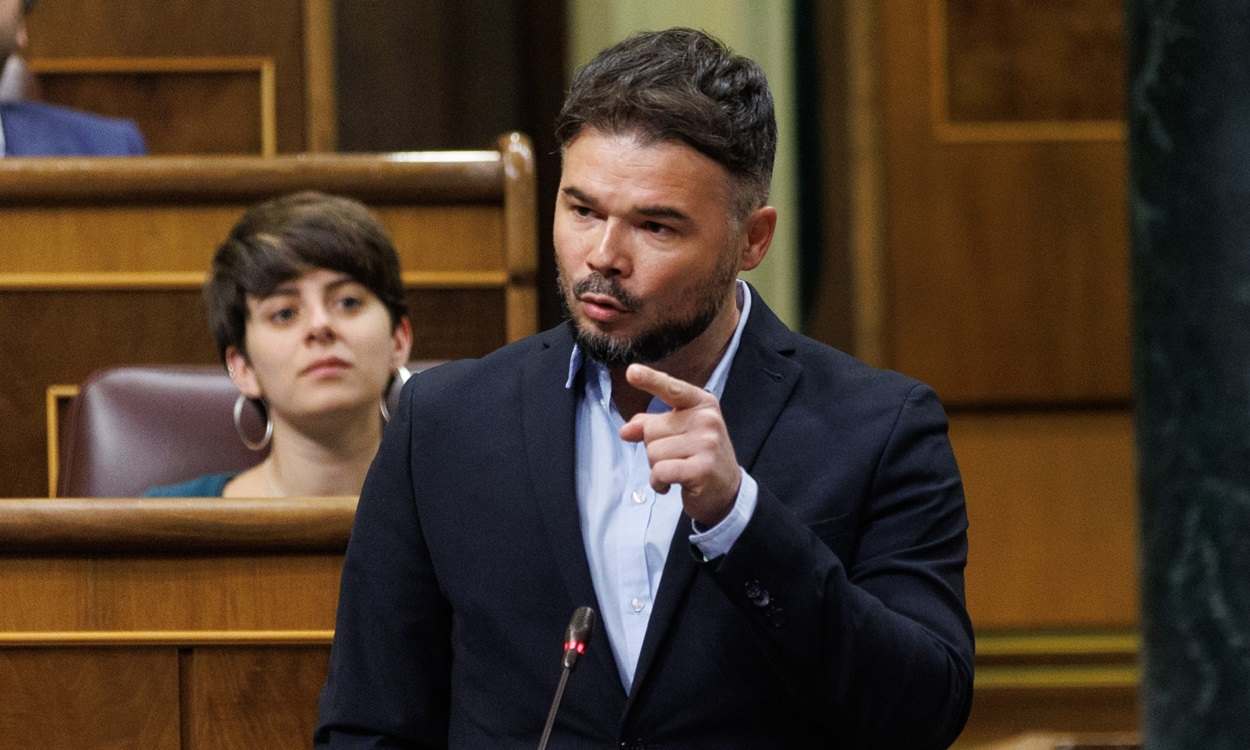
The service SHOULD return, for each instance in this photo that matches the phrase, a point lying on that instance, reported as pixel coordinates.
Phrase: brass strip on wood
(1056, 677)
(114, 638)
(52, 397)
(1064, 131)
(1123, 644)
(125, 280)
(219, 64)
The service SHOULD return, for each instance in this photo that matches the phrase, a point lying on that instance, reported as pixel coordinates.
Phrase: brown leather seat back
(134, 427)
(131, 428)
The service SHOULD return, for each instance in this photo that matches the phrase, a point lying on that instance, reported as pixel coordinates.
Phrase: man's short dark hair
(683, 85)
(280, 239)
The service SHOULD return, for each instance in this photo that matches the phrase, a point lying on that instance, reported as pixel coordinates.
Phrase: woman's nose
(320, 324)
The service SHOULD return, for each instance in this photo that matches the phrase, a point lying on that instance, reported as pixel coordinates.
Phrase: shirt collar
(716, 383)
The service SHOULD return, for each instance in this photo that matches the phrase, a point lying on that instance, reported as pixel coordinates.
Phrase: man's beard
(664, 338)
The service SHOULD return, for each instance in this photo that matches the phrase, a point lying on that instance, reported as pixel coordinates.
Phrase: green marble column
(1189, 140)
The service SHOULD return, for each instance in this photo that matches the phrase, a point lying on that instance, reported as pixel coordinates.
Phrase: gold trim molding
(117, 638)
(127, 280)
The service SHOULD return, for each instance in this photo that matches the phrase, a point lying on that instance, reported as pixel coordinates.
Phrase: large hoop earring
(261, 444)
(401, 376)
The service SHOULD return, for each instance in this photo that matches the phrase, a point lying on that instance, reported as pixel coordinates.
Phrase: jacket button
(757, 594)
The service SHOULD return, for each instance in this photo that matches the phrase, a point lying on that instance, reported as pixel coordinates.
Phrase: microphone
(576, 635)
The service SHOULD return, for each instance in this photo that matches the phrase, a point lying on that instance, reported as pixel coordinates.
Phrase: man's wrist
(715, 541)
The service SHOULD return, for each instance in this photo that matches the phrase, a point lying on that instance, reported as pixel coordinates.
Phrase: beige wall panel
(1052, 513)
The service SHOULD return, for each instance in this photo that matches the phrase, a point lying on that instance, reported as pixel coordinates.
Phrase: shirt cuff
(717, 541)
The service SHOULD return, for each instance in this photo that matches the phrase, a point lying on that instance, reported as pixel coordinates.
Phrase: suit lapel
(761, 379)
(549, 411)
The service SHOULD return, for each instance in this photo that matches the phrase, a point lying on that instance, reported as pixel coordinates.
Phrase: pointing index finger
(675, 392)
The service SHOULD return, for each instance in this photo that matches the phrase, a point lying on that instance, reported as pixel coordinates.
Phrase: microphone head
(577, 634)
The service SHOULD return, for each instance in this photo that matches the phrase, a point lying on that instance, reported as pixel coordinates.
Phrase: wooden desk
(165, 624)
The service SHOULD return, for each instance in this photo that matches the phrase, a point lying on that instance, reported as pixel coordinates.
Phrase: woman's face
(320, 345)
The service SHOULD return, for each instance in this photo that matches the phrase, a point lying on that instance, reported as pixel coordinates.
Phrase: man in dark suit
(773, 532)
(34, 129)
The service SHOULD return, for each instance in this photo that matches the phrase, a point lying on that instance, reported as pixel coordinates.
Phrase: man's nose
(610, 255)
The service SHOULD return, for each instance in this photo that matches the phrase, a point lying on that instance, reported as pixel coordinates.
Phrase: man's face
(11, 27)
(647, 246)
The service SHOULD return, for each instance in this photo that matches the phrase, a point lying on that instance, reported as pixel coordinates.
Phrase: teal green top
(209, 485)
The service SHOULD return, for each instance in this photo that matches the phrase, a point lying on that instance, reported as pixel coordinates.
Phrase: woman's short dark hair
(684, 85)
(280, 239)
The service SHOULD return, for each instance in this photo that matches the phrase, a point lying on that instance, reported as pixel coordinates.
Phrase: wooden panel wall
(193, 623)
(293, 37)
(101, 262)
(988, 243)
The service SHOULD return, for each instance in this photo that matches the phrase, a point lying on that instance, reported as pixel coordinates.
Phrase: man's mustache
(597, 283)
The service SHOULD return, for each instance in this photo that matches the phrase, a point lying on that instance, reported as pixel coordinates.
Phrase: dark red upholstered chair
(134, 427)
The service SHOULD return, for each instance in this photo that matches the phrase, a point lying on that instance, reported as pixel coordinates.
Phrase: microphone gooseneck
(576, 636)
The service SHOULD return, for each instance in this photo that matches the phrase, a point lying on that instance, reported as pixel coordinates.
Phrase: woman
(307, 307)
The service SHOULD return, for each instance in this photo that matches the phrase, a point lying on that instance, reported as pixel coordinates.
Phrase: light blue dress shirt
(626, 526)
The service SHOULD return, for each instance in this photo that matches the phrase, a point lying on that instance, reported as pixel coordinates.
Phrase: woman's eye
(283, 315)
(351, 303)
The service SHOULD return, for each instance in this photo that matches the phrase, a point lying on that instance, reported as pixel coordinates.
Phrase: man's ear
(401, 340)
(758, 230)
(242, 374)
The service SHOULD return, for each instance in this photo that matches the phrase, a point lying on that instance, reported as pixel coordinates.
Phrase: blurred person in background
(307, 307)
(37, 129)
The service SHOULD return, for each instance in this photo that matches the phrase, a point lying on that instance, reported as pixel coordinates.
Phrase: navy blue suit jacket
(36, 129)
(836, 620)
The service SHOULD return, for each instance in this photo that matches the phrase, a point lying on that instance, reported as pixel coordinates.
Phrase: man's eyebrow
(662, 212)
(651, 212)
(578, 196)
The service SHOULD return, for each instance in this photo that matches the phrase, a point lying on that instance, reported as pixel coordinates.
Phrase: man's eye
(655, 227)
(583, 211)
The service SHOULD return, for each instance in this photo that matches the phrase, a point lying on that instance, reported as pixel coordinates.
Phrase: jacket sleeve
(880, 649)
(388, 682)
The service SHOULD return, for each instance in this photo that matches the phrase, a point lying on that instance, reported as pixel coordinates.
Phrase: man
(34, 129)
(772, 532)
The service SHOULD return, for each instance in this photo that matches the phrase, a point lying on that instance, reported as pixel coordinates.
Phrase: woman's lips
(325, 366)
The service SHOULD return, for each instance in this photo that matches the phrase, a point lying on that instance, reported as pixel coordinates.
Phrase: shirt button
(638, 497)
(637, 604)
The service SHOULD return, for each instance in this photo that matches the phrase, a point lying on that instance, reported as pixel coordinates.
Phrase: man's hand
(688, 445)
